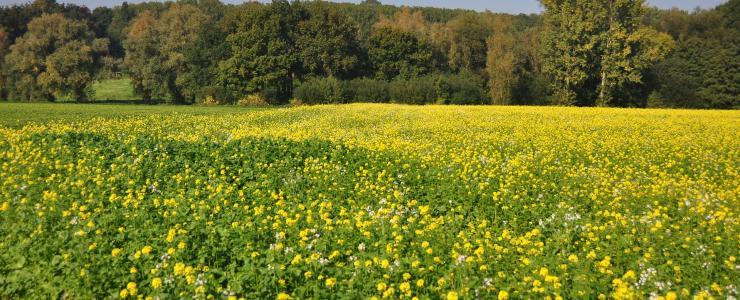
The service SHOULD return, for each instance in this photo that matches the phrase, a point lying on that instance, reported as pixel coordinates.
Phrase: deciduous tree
(394, 53)
(501, 60)
(327, 43)
(55, 57)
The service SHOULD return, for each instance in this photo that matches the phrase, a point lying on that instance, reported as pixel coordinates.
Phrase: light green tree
(593, 48)
(627, 47)
(500, 62)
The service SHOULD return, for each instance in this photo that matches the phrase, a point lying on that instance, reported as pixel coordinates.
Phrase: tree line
(578, 52)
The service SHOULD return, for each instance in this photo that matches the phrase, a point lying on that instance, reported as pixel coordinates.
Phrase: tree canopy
(578, 52)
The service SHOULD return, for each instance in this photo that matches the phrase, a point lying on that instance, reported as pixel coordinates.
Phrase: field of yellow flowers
(373, 201)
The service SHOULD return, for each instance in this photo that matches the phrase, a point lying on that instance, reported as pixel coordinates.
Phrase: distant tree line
(578, 52)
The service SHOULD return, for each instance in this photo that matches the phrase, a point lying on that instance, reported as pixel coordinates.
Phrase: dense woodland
(578, 52)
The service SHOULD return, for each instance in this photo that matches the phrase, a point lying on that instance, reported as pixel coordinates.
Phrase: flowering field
(383, 201)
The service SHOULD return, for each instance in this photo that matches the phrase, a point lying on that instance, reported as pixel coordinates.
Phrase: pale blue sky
(509, 6)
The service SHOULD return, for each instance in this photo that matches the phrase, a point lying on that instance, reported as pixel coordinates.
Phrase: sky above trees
(508, 6)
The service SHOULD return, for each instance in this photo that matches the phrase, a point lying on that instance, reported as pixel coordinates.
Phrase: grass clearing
(114, 89)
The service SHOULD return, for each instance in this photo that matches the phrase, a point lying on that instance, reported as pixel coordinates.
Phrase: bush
(367, 90)
(419, 90)
(463, 88)
(215, 95)
(253, 100)
(321, 91)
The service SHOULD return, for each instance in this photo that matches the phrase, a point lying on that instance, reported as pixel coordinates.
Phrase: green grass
(114, 89)
(20, 114)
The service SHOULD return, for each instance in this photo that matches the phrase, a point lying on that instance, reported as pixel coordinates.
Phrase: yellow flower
(404, 287)
(308, 274)
(146, 250)
(452, 295)
(671, 296)
(283, 296)
(116, 251)
(157, 283)
(573, 258)
(420, 283)
(123, 293)
(330, 282)
(179, 269)
(381, 286)
(503, 295)
(385, 264)
(132, 288)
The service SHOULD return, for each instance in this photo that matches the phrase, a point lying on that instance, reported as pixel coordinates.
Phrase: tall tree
(501, 60)
(121, 17)
(263, 59)
(594, 48)
(406, 20)
(569, 43)
(328, 44)
(55, 57)
(178, 27)
(155, 51)
(394, 53)
(467, 34)
(627, 47)
(142, 56)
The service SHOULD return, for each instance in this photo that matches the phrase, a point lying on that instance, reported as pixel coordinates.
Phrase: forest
(620, 53)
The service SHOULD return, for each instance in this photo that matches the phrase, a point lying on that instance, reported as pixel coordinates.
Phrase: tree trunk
(602, 91)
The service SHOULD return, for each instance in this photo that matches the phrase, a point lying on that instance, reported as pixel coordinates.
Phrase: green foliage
(416, 90)
(501, 62)
(368, 90)
(155, 52)
(142, 57)
(702, 70)
(262, 57)
(321, 90)
(199, 80)
(579, 52)
(463, 88)
(394, 53)
(327, 44)
(594, 49)
(467, 36)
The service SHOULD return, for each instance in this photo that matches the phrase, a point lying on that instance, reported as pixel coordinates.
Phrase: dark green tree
(327, 43)
(394, 53)
(263, 58)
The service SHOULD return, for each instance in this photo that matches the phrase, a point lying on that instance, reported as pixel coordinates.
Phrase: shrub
(419, 90)
(463, 88)
(320, 90)
(215, 95)
(253, 100)
(367, 90)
